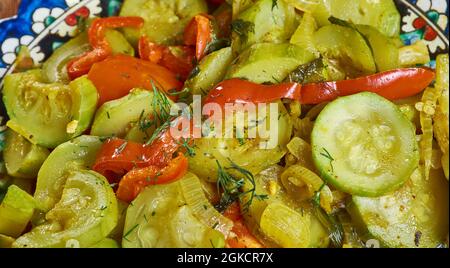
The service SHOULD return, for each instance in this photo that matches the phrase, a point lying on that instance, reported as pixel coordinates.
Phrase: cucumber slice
(22, 158)
(114, 118)
(48, 114)
(211, 70)
(165, 21)
(85, 215)
(16, 211)
(269, 63)
(79, 153)
(264, 22)
(414, 216)
(364, 145)
(348, 47)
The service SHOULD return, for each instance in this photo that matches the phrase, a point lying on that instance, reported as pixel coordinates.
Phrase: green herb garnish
(129, 232)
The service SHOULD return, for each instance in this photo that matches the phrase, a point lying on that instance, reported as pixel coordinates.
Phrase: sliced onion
(299, 176)
(427, 108)
(202, 209)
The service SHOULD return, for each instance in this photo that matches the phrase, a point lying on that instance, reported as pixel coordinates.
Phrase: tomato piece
(117, 75)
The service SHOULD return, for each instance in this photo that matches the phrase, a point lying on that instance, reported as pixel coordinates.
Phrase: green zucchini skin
(363, 145)
(16, 211)
(269, 63)
(48, 114)
(415, 216)
(211, 70)
(77, 154)
(22, 158)
(262, 22)
(165, 21)
(85, 214)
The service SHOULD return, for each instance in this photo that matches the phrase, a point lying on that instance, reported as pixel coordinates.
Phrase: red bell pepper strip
(393, 85)
(181, 64)
(117, 75)
(100, 46)
(243, 237)
(199, 33)
(243, 91)
(117, 157)
(137, 179)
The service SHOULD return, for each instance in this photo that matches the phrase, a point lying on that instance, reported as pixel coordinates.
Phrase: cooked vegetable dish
(347, 144)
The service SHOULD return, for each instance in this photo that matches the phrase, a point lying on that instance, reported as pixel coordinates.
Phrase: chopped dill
(327, 155)
(242, 28)
(274, 4)
(129, 232)
(231, 187)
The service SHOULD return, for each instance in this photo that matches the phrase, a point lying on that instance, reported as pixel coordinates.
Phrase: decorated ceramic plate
(95, 154)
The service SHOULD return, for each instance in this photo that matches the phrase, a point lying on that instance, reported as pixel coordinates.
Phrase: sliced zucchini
(85, 215)
(385, 51)
(304, 35)
(16, 211)
(364, 145)
(347, 46)
(79, 153)
(114, 118)
(414, 216)
(263, 22)
(269, 63)
(54, 68)
(246, 153)
(211, 70)
(307, 231)
(119, 44)
(22, 158)
(48, 114)
(165, 21)
(381, 14)
(160, 218)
